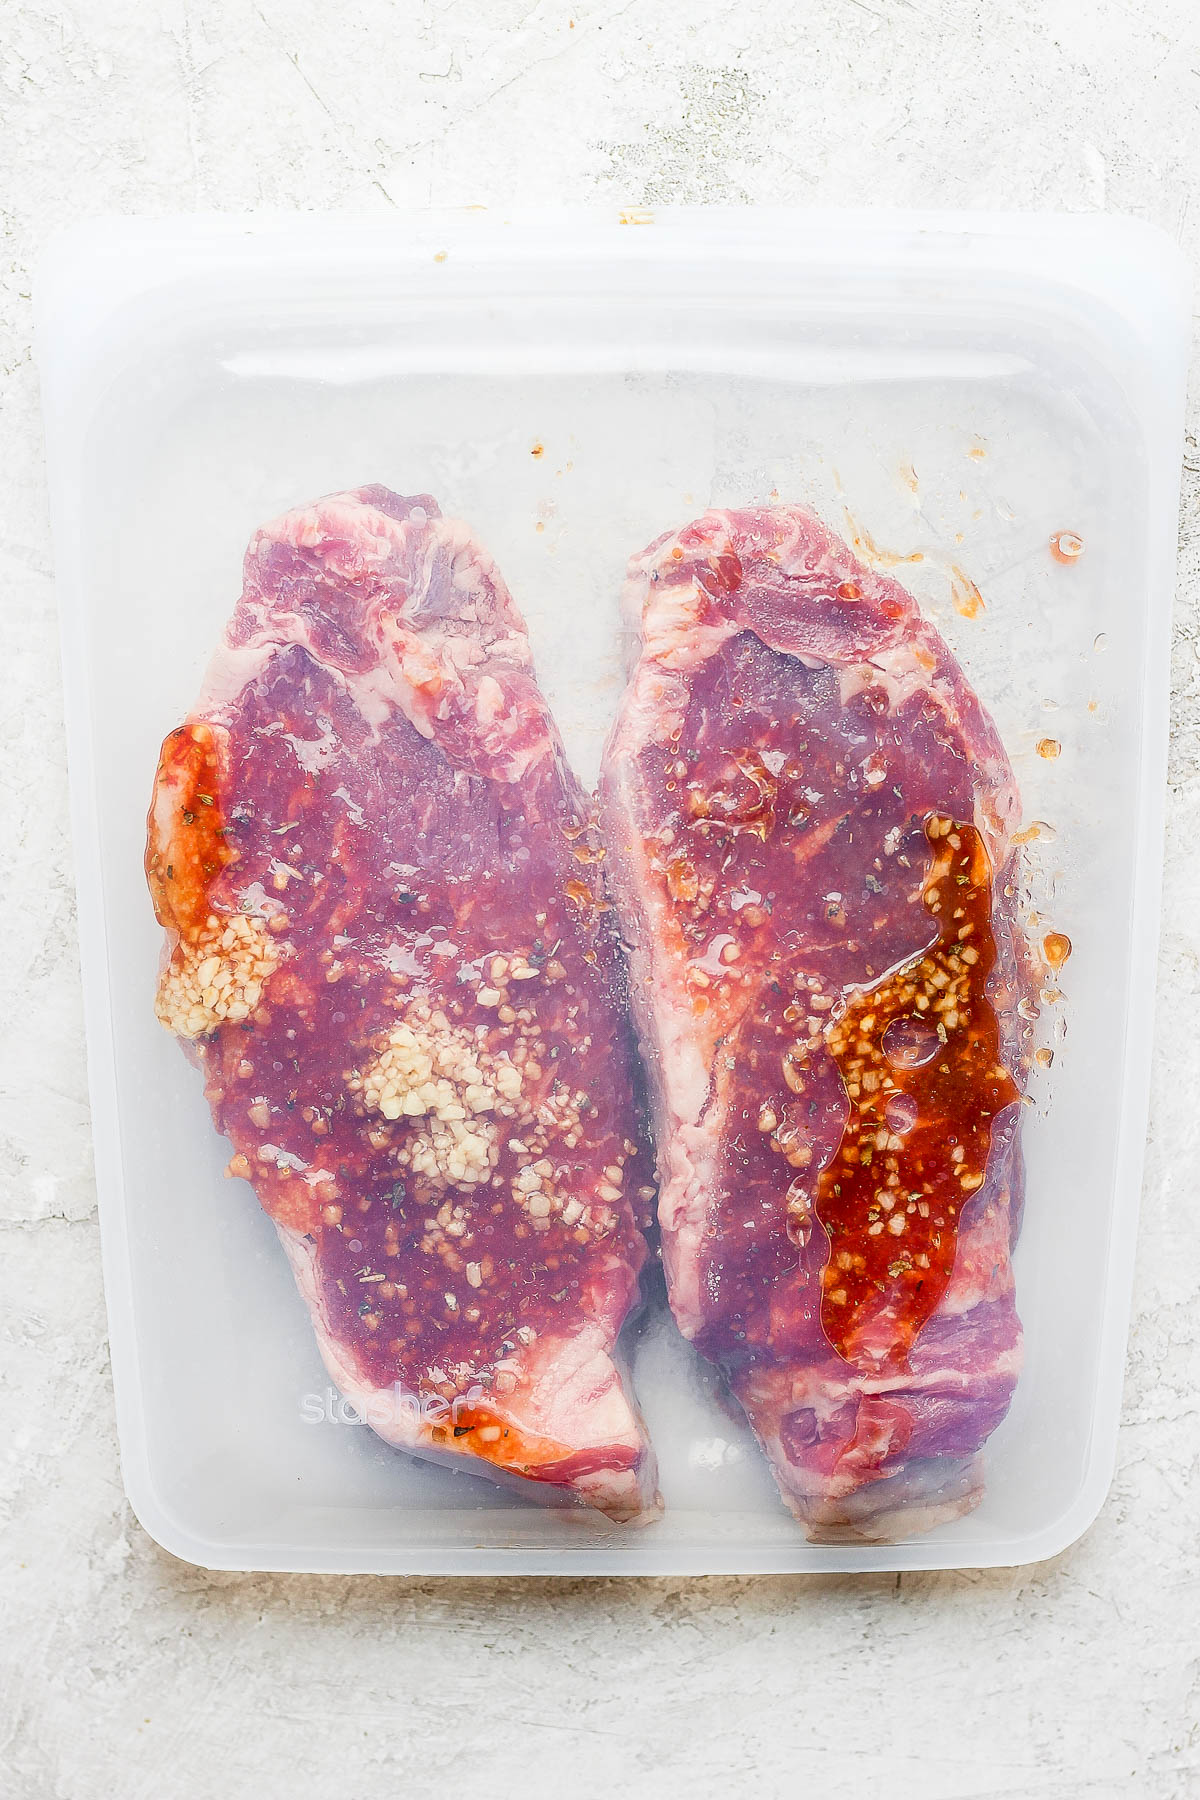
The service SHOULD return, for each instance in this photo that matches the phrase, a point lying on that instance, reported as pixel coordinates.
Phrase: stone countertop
(128, 1672)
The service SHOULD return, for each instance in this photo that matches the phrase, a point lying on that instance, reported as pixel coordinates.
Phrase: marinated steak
(388, 953)
(809, 819)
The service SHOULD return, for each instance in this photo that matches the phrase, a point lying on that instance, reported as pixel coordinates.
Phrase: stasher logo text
(386, 1408)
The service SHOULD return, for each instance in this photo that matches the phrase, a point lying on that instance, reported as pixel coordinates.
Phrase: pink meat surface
(386, 950)
(809, 820)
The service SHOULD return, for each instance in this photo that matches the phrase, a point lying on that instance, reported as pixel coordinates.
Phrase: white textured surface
(129, 1673)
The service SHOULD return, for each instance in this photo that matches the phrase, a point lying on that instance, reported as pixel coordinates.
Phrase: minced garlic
(440, 1076)
(218, 976)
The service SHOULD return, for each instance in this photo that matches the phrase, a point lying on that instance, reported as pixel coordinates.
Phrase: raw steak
(809, 825)
(388, 953)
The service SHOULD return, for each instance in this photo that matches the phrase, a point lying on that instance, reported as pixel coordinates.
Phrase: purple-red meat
(809, 819)
(387, 951)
